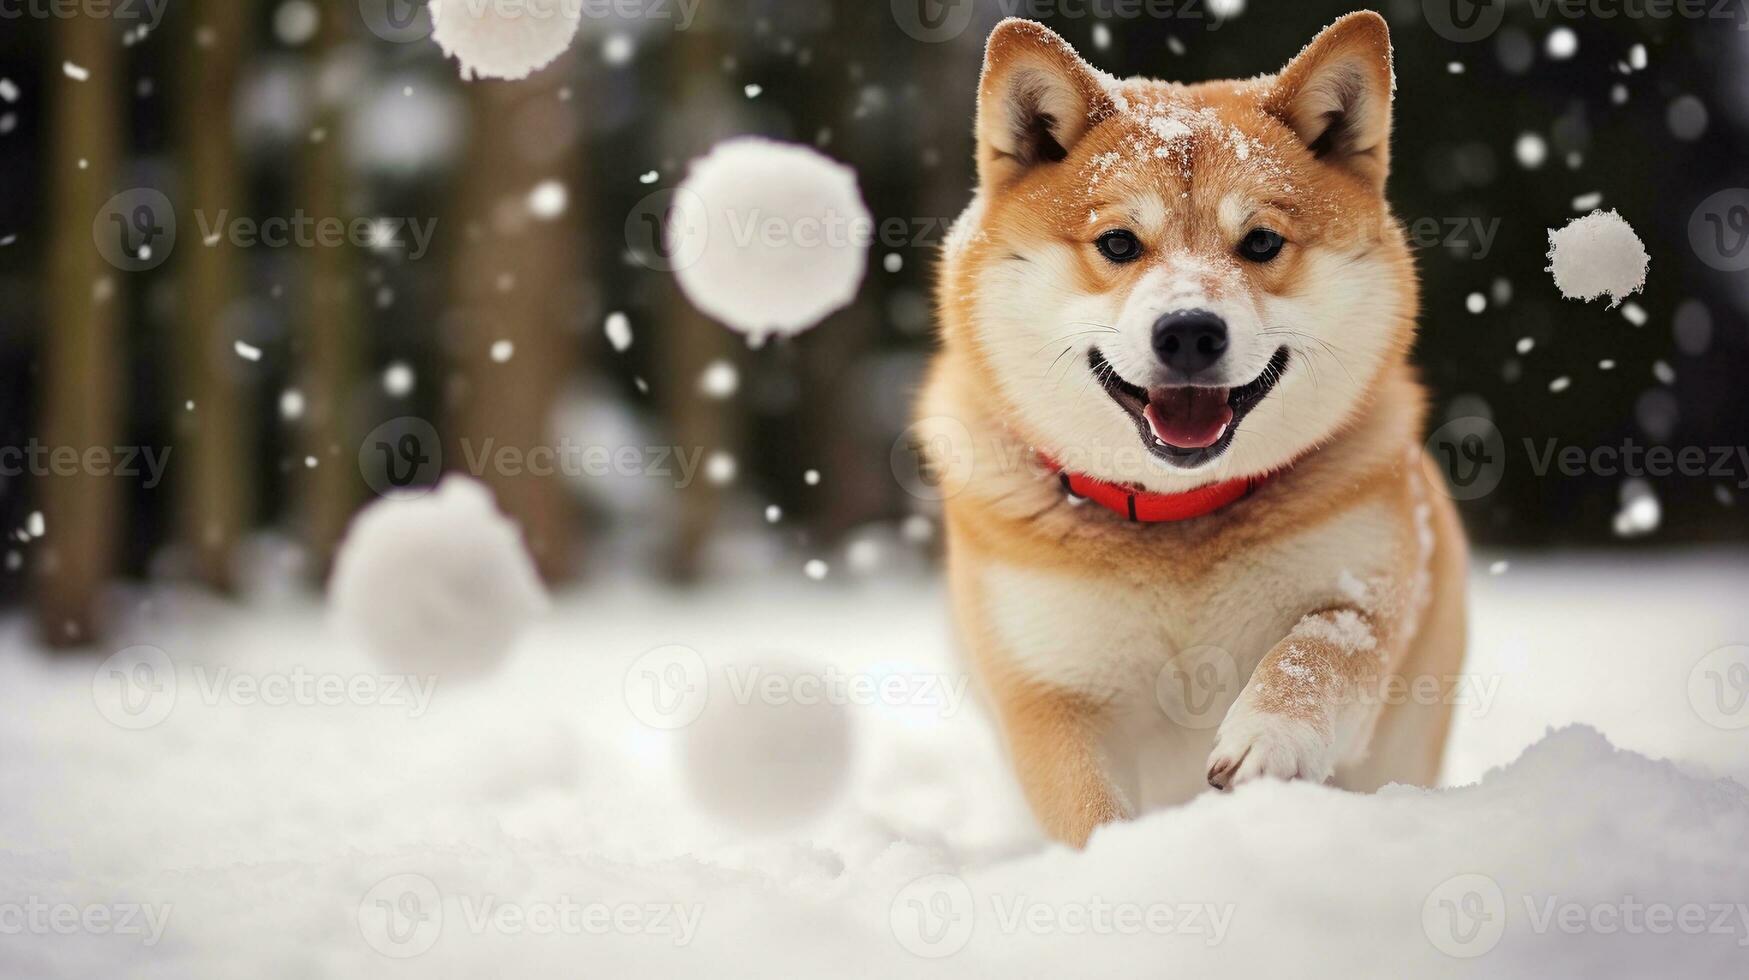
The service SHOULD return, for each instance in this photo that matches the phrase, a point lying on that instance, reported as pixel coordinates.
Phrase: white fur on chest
(1133, 645)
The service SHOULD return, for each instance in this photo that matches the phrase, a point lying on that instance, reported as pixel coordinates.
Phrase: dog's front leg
(1053, 736)
(1305, 700)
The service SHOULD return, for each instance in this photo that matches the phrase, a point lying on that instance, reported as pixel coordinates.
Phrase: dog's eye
(1261, 245)
(1119, 245)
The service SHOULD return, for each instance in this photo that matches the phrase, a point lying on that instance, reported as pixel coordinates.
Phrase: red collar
(1152, 508)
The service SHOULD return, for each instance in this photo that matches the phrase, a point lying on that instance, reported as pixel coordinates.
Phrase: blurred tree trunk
(512, 276)
(328, 332)
(81, 356)
(215, 478)
(691, 341)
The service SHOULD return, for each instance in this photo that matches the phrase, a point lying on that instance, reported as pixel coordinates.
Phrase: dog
(1193, 535)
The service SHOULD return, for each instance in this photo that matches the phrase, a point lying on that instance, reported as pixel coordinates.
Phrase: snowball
(291, 404)
(769, 237)
(1561, 43)
(295, 22)
(1640, 512)
(1595, 255)
(398, 379)
(502, 351)
(503, 40)
(439, 582)
(1531, 150)
(619, 330)
(719, 468)
(772, 747)
(617, 49)
(1686, 117)
(719, 379)
(248, 352)
(547, 200)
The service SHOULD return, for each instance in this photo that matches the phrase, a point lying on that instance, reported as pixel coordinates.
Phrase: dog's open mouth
(1187, 425)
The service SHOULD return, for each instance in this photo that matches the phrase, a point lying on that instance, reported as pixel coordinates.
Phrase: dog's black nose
(1189, 340)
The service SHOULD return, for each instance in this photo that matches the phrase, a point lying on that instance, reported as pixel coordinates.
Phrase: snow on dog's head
(1169, 284)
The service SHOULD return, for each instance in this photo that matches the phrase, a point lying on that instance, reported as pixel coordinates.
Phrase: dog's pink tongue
(1188, 418)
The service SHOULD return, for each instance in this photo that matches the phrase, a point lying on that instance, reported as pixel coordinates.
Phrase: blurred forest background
(265, 370)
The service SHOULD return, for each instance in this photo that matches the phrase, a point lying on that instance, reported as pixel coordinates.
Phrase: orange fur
(1067, 611)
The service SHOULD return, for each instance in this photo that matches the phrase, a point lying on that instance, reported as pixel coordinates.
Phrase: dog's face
(1169, 285)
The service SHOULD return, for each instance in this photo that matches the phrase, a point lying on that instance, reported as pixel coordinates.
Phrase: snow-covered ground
(280, 805)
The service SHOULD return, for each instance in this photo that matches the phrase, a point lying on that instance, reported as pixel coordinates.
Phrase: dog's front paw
(1253, 743)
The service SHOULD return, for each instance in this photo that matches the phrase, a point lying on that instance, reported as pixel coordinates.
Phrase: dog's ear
(1035, 99)
(1336, 94)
